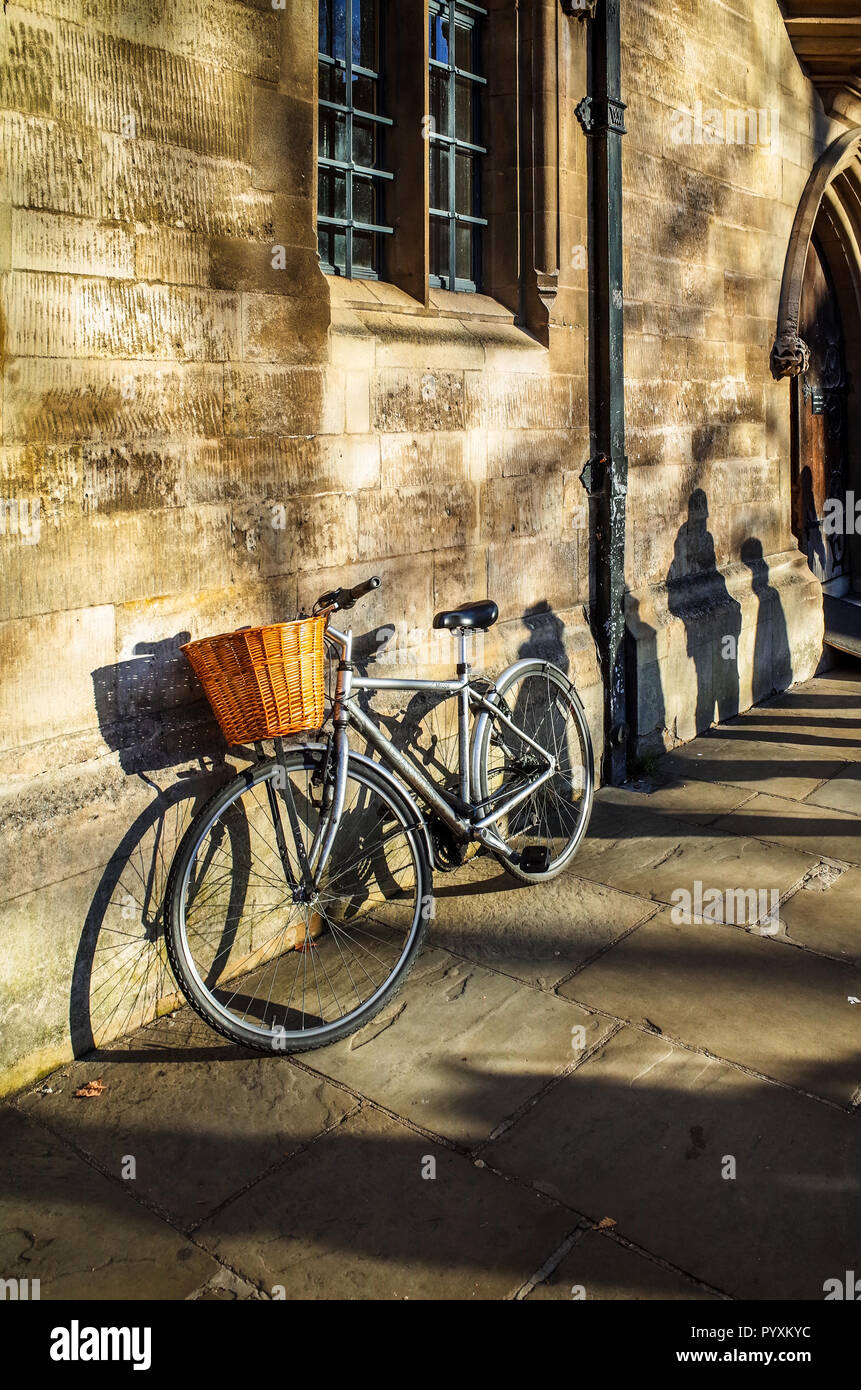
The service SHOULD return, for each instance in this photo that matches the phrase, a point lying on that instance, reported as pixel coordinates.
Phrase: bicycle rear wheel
(269, 963)
(544, 830)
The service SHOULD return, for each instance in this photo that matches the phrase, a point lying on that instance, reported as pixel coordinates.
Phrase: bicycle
(301, 893)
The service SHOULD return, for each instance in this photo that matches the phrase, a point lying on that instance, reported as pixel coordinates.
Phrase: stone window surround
(520, 195)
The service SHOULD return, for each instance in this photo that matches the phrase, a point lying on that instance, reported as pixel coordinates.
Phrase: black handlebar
(346, 598)
(350, 596)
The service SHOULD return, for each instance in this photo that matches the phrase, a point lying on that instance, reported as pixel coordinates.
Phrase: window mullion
(348, 56)
(452, 166)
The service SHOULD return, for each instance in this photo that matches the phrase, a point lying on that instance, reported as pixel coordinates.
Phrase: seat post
(462, 663)
(463, 716)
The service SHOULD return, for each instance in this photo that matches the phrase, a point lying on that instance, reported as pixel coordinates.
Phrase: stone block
(62, 316)
(142, 92)
(34, 649)
(164, 255)
(274, 400)
(67, 400)
(43, 241)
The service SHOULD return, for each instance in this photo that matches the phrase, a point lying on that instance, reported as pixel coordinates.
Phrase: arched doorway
(818, 393)
(818, 345)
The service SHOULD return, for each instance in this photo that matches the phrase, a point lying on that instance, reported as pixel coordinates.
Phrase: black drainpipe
(605, 476)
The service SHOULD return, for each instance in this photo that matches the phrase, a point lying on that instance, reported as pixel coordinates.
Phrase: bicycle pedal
(535, 859)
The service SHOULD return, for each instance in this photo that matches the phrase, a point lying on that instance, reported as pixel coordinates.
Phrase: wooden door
(819, 425)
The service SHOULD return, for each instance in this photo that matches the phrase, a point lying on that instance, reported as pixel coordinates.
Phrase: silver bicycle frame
(461, 818)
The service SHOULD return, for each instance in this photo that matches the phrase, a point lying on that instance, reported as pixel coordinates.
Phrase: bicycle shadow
(152, 715)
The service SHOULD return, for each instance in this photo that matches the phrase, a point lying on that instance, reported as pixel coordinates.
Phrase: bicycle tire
(363, 774)
(551, 674)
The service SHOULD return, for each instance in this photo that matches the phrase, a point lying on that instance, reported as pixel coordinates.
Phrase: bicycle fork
(328, 828)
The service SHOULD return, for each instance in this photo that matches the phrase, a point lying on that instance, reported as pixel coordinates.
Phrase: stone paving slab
(80, 1234)
(837, 689)
(353, 1217)
(198, 1126)
(599, 1267)
(783, 769)
(537, 933)
(461, 1048)
(841, 793)
(655, 855)
(796, 825)
(698, 803)
(836, 681)
(760, 1002)
(827, 918)
(641, 1133)
(832, 735)
(821, 716)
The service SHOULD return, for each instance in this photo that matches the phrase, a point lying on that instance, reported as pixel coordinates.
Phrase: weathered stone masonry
(215, 431)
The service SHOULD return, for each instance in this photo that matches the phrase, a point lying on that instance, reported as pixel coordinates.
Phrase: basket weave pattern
(263, 682)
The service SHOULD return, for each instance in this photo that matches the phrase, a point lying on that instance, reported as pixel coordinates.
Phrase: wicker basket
(263, 682)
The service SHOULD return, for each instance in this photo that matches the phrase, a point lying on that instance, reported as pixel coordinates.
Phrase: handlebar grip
(348, 597)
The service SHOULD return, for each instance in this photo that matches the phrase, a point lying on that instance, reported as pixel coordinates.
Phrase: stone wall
(706, 227)
(201, 430)
(212, 432)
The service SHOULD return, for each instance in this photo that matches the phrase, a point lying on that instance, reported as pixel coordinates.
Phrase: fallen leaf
(90, 1088)
(604, 1224)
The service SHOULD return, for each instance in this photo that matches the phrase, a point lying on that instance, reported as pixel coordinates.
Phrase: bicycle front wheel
(269, 962)
(545, 828)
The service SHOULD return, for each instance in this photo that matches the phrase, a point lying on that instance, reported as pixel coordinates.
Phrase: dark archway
(818, 346)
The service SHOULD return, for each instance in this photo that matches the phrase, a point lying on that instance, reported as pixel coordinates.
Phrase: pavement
(618, 1085)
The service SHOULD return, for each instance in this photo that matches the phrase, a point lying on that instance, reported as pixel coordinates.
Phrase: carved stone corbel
(580, 9)
(790, 355)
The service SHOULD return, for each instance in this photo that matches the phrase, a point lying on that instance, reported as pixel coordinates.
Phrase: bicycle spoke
(276, 958)
(553, 815)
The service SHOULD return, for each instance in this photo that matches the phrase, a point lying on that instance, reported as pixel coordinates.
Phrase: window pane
(332, 245)
(439, 37)
(333, 142)
(364, 143)
(464, 177)
(464, 93)
(324, 26)
(439, 101)
(464, 47)
(439, 166)
(439, 233)
(463, 252)
(332, 193)
(326, 85)
(365, 34)
(364, 93)
(364, 251)
(339, 28)
(364, 201)
(339, 242)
